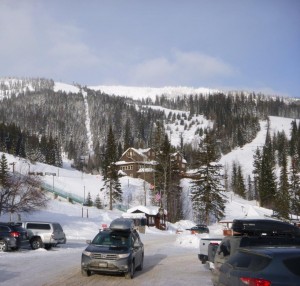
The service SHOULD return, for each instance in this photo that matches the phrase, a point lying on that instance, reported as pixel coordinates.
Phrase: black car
(116, 250)
(199, 228)
(262, 266)
(13, 237)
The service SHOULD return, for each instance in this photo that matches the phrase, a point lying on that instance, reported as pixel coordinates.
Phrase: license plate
(103, 264)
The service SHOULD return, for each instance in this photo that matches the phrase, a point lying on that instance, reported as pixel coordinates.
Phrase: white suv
(44, 234)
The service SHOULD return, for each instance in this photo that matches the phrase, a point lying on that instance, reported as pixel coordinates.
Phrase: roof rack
(264, 227)
(122, 224)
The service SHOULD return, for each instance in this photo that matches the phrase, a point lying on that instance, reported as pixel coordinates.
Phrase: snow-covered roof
(139, 151)
(133, 215)
(146, 170)
(119, 163)
(150, 210)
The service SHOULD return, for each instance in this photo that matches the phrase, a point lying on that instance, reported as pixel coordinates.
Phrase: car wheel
(141, 266)
(48, 246)
(130, 273)
(85, 273)
(36, 243)
(3, 246)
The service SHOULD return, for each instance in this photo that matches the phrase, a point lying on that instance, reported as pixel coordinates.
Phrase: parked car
(44, 234)
(254, 232)
(199, 228)
(115, 250)
(262, 266)
(13, 237)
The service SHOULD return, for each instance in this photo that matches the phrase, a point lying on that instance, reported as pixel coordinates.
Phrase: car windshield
(112, 239)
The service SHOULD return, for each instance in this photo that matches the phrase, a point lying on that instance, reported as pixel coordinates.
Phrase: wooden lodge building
(141, 163)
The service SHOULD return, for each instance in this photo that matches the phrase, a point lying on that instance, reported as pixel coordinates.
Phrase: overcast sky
(233, 44)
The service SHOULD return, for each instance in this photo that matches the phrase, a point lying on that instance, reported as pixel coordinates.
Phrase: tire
(3, 246)
(36, 243)
(85, 273)
(48, 246)
(130, 273)
(141, 266)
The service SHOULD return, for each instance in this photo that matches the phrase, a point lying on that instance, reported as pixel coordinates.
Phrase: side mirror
(88, 241)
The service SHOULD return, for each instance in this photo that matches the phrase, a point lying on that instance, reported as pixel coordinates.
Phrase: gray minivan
(44, 234)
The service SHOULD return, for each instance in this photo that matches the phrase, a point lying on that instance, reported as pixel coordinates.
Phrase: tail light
(15, 234)
(255, 281)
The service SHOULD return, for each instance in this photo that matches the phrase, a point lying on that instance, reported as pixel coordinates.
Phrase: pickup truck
(207, 248)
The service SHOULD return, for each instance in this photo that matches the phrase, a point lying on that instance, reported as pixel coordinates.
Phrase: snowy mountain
(150, 92)
(71, 182)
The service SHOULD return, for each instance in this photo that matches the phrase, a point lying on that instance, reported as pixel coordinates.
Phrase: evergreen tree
(32, 149)
(234, 177)
(294, 139)
(267, 179)
(70, 149)
(127, 135)
(97, 202)
(207, 191)
(110, 152)
(295, 188)
(98, 156)
(57, 153)
(257, 160)
(88, 201)
(112, 184)
(44, 148)
(250, 190)
(237, 181)
(4, 171)
(162, 170)
(4, 183)
(241, 189)
(282, 198)
(174, 206)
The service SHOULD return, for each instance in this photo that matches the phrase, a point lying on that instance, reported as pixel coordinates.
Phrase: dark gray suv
(13, 236)
(115, 250)
(262, 266)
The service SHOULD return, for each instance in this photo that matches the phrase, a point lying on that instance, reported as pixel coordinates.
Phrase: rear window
(249, 261)
(4, 228)
(292, 264)
(44, 226)
(18, 228)
(57, 227)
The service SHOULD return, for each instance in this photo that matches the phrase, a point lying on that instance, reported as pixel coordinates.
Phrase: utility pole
(13, 164)
(145, 185)
(110, 195)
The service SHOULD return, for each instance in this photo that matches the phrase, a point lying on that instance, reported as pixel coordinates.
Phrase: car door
(137, 249)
